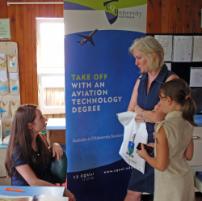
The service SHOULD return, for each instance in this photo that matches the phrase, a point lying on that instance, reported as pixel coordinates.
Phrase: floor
(150, 198)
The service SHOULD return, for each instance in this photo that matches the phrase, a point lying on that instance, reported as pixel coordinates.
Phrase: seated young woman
(29, 156)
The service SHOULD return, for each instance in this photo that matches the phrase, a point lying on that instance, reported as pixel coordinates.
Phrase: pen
(14, 189)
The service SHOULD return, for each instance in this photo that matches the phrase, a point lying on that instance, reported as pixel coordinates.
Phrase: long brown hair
(21, 136)
(179, 91)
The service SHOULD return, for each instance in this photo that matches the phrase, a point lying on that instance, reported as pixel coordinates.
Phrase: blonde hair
(152, 50)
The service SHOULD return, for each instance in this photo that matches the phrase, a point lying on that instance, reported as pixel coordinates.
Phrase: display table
(31, 190)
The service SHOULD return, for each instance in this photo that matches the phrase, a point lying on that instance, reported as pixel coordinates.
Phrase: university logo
(111, 11)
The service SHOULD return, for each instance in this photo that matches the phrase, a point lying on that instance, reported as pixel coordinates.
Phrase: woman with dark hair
(28, 156)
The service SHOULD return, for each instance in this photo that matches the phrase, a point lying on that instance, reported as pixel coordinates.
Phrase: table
(31, 190)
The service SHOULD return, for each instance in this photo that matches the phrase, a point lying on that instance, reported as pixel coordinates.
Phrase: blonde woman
(149, 58)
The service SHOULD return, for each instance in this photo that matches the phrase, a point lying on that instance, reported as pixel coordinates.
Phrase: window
(50, 65)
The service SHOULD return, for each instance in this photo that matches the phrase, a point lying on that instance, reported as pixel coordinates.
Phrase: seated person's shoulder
(18, 156)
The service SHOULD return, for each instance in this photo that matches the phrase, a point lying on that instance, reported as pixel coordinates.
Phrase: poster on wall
(99, 77)
(9, 88)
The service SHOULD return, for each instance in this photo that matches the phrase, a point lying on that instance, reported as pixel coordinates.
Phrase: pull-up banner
(100, 75)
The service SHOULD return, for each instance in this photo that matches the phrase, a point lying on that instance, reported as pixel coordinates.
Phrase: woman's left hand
(139, 118)
(138, 110)
(57, 150)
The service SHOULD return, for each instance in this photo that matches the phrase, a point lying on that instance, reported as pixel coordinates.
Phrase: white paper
(13, 76)
(182, 48)
(197, 48)
(168, 66)
(2, 58)
(167, 43)
(3, 76)
(195, 77)
(5, 28)
(3, 61)
(12, 63)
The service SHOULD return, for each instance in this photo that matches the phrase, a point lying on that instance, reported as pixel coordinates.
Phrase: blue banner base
(91, 184)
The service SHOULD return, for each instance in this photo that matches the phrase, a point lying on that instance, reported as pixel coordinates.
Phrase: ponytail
(180, 92)
(188, 110)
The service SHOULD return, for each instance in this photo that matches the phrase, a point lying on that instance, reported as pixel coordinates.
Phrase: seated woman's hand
(70, 195)
(57, 150)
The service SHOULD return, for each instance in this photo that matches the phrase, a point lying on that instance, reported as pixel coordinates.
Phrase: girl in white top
(173, 144)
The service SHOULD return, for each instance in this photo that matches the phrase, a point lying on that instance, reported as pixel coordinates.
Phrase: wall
(23, 30)
(163, 16)
(174, 16)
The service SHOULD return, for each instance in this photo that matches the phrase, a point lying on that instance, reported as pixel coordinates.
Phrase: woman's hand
(57, 150)
(70, 195)
(139, 114)
(138, 110)
(139, 118)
